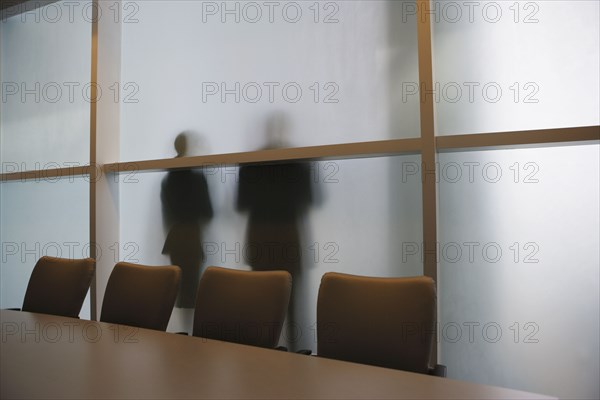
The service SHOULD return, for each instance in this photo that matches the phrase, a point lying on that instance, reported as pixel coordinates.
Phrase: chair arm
(439, 370)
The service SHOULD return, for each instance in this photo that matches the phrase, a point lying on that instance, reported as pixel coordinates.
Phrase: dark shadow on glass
(186, 209)
(276, 198)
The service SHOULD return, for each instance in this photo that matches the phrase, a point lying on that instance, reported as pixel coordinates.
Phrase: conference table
(46, 356)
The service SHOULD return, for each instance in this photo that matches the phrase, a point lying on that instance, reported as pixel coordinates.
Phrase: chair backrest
(388, 322)
(246, 307)
(141, 295)
(58, 286)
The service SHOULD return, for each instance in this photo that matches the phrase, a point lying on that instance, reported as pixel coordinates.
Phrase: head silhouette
(189, 143)
(181, 144)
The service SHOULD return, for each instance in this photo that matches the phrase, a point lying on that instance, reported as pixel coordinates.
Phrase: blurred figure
(186, 208)
(276, 197)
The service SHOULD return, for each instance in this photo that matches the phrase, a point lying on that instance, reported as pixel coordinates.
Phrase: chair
(246, 307)
(58, 286)
(141, 296)
(387, 322)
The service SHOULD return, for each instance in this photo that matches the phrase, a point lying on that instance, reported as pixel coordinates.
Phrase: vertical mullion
(93, 178)
(428, 151)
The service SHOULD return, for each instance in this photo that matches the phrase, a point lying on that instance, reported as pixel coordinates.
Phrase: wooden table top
(46, 356)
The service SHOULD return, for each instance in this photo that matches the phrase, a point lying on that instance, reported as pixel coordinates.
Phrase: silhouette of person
(276, 196)
(186, 208)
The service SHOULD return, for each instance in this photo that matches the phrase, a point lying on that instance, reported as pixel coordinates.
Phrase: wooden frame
(383, 148)
(327, 152)
(93, 173)
(518, 138)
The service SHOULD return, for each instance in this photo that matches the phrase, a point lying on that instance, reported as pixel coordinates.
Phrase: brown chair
(58, 286)
(245, 307)
(387, 322)
(141, 296)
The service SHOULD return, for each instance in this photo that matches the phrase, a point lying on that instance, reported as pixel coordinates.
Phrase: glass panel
(518, 275)
(38, 218)
(323, 72)
(45, 69)
(350, 216)
(515, 65)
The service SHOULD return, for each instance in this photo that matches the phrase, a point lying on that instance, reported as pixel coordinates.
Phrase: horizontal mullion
(325, 152)
(46, 174)
(517, 138)
(336, 151)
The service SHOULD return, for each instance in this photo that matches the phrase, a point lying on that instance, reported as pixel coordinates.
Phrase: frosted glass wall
(518, 275)
(45, 67)
(46, 61)
(49, 217)
(515, 65)
(355, 216)
(333, 71)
